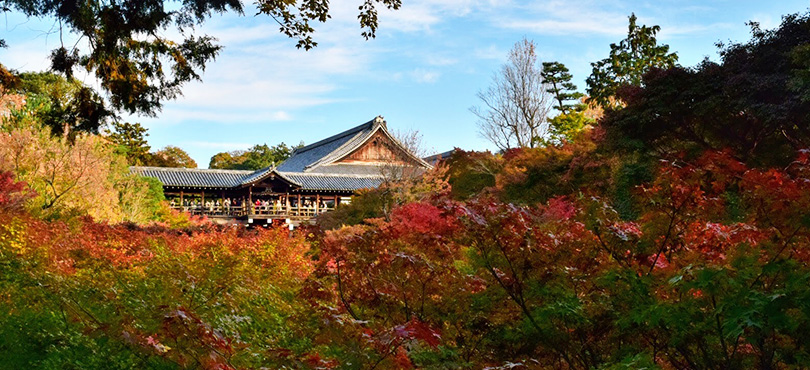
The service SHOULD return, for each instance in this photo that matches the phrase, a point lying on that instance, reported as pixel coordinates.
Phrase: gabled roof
(311, 167)
(314, 157)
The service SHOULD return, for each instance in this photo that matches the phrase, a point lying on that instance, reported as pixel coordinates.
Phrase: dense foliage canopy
(257, 157)
(755, 101)
(666, 254)
(138, 64)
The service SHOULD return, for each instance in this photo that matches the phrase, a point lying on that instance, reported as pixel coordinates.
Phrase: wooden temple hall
(316, 178)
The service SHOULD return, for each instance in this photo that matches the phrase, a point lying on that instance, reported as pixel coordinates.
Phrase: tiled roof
(320, 156)
(256, 175)
(311, 167)
(312, 181)
(194, 177)
(436, 158)
(349, 169)
(202, 178)
(305, 158)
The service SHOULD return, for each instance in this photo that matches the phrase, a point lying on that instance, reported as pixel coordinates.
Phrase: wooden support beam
(317, 202)
(250, 199)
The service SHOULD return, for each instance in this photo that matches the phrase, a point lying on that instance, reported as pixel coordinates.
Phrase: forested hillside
(669, 231)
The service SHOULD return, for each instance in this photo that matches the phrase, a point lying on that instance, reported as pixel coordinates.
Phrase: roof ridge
(320, 174)
(332, 138)
(328, 158)
(184, 169)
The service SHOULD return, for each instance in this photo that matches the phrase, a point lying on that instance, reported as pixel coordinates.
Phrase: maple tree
(572, 255)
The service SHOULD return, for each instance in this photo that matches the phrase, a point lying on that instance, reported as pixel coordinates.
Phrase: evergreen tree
(131, 140)
(556, 75)
(628, 62)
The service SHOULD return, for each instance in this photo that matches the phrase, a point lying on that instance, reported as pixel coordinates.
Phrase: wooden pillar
(317, 202)
(181, 198)
(250, 199)
(298, 205)
(287, 202)
(202, 195)
(337, 201)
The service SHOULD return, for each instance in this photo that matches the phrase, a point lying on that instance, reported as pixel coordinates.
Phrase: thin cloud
(425, 76)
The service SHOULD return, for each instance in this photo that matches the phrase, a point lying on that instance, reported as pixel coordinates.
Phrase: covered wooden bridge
(317, 178)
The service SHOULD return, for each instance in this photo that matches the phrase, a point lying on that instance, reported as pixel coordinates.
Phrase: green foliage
(138, 65)
(556, 75)
(65, 105)
(567, 127)
(570, 256)
(366, 204)
(257, 157)
(469, 173)
(131, 141)
(120, 297)
(753, 102)
(633, 57)
(631, 172)
(370, 204)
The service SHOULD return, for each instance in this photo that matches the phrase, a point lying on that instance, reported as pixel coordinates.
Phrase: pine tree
(555, 74)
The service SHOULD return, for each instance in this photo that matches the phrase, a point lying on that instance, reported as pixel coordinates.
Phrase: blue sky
(422, 72)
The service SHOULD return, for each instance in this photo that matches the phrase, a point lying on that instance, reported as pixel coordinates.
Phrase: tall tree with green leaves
(65, 105)
(755, 101)
(125, 43)
(258, 156)
(628, 62)
(131, 141)
(557, 77)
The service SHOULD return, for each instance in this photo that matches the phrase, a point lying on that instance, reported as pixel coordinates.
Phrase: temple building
(316, 178)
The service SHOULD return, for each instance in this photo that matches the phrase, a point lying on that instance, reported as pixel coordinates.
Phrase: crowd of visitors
(239, 207)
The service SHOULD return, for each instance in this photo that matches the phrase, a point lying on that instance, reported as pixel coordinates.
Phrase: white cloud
(491, 52)
(424, 76)
(281, 116)
(560, 17)
(421, 15)
(436, 60)
(592, 17)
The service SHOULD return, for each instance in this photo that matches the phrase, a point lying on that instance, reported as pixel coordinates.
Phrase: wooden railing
(253, 211)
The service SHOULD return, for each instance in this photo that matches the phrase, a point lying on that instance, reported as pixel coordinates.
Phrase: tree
(396, 170)
(571, 120)
(756, 101)
(65, 105)
(556, 76)
(138, 65)
(223, 161)
(257, 157)
(517, 103)
(171, 156)
(131, 140)
(567, 126)
(628, 62)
